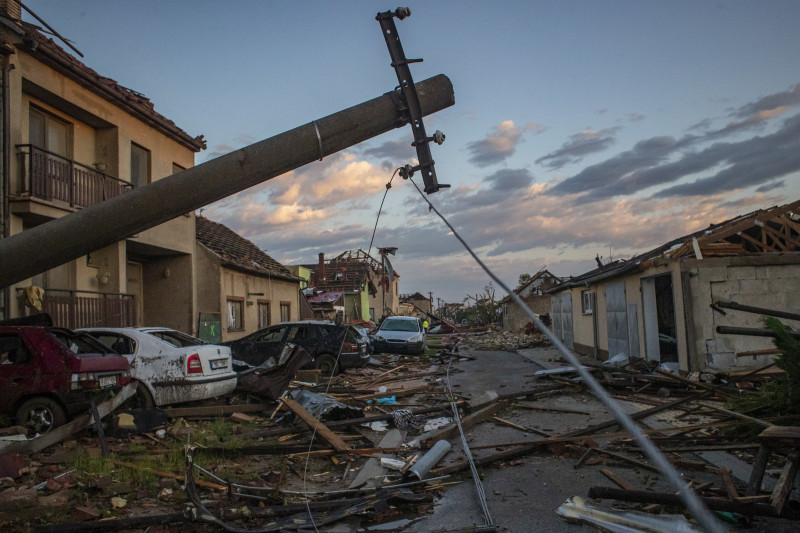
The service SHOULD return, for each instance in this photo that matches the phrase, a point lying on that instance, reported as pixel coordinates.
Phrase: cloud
(579, 145)
(499, 145)
(696, 164)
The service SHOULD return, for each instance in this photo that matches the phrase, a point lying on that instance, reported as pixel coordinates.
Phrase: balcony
(86, 309)
(53, 178)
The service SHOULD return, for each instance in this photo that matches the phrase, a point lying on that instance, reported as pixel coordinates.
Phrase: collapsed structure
(667, 304)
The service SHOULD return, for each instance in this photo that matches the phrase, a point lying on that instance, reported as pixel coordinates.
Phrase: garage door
(561, 311)
(617, 319)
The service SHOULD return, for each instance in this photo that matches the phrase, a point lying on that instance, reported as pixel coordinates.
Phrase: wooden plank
(737, 415)
(216, 410)
(467, 422)
(82, 422)
(170, 475)
(785, 483)
(727, 482)
(332, 438)
(621, 483)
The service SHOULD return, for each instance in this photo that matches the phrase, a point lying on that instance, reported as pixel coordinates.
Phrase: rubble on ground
(379, 443)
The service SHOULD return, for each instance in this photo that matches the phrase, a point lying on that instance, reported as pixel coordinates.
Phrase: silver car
(399, 334)
(171, 366)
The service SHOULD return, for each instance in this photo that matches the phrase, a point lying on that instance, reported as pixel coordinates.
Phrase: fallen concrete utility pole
(64, 239)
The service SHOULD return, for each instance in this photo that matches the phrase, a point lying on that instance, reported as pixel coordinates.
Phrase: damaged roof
(776, 229)
(48, 52)
(237, 252)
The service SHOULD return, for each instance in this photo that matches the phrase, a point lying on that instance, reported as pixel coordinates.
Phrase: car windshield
(80, 343)
(177, 339)
(399, 325)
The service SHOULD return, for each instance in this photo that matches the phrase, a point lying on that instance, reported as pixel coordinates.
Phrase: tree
(484, 309)
(523, 278)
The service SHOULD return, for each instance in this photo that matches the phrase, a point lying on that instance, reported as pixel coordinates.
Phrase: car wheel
(327, 363)
(142, 399)
(40, 415)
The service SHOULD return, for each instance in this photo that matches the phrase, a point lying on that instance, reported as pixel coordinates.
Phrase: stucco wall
(770, 281)
(254, 288)
(100, 134)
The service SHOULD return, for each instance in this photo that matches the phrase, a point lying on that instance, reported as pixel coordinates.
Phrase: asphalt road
(521, 495)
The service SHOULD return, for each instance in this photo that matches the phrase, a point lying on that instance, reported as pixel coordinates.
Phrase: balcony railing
(85, 309)
(51, 177)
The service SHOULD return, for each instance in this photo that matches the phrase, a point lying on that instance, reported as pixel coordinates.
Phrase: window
(13, 351)
(286, 311)
(235, 314)
(264, 313)
(372, 313)
(47, 132)
(140, 165)
(587, 302)
(273, 335)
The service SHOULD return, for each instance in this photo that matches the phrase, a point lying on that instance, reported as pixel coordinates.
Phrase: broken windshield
(399, 325)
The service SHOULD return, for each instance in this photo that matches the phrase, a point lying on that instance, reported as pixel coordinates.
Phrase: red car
(50, 374)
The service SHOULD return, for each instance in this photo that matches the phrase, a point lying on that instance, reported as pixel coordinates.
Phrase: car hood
(396, 335)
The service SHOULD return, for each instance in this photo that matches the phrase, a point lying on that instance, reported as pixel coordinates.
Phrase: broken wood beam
(467, 422)
(635, 416)
(734, 414)
(70, 428)
(332, 438)
(616, 479)
(216, 410)
(715, 504)
(698, 384)
(170, 475)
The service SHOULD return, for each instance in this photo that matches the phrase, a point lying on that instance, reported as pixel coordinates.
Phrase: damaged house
(666, 305)
(246, 288)
(73, 138)
(369, 289)
(534, 293)
(416, 305)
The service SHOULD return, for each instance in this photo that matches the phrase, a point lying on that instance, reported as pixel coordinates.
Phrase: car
(326, 342)
(170, 366)
(48, 375)
(399, 334)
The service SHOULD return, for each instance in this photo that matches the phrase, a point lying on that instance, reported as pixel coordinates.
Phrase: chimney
(321, 275)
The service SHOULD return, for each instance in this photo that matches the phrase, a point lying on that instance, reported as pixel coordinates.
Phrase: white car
(171, 366)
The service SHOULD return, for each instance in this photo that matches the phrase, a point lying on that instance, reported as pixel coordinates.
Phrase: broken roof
(237, 252)
(48, 52)
(542, 274)
(776, 229)
(350, 271)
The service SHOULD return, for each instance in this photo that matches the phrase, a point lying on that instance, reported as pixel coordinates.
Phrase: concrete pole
(75, 235)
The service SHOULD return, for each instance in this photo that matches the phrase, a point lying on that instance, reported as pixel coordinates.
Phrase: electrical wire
(388, 186)
(314, 433)
(478, 485)
(689, 497)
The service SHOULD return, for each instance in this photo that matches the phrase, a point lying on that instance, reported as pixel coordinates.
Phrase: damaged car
(170, 366)
(333, 347)
(399, 334)
(48, 375)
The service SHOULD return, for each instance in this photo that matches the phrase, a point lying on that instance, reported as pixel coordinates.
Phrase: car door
(18, 373)
(265, 345)
(305, 335)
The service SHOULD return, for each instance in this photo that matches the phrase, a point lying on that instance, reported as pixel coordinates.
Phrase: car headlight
(415, 338)
(377, 338)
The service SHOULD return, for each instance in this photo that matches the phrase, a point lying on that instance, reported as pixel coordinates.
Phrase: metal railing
(51, 177)
(85, 309)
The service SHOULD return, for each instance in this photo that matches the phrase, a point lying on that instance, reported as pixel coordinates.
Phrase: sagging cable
(688, 496)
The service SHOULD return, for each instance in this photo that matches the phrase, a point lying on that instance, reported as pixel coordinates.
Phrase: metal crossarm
(409, 93)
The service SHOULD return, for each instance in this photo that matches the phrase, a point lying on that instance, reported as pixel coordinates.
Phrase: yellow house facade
(72, 138)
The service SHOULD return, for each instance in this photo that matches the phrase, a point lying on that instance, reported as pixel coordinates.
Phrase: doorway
(660, 331)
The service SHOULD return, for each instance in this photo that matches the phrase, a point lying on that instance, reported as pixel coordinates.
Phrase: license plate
(219, 363)
(108, 381)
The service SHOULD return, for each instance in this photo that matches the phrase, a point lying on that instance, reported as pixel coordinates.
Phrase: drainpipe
(5, 182)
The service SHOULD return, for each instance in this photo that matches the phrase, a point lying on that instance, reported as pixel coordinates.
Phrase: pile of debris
(505, 341)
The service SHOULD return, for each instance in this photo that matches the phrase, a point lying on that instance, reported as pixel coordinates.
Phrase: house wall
(390, 300)
(253, 288)
(770, 281)
(514, 318)
(100, 136)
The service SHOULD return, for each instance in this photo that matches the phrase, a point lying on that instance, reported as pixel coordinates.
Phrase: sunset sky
(580, 128)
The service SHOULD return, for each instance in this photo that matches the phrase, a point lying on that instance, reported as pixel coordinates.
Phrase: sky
(580, 128)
